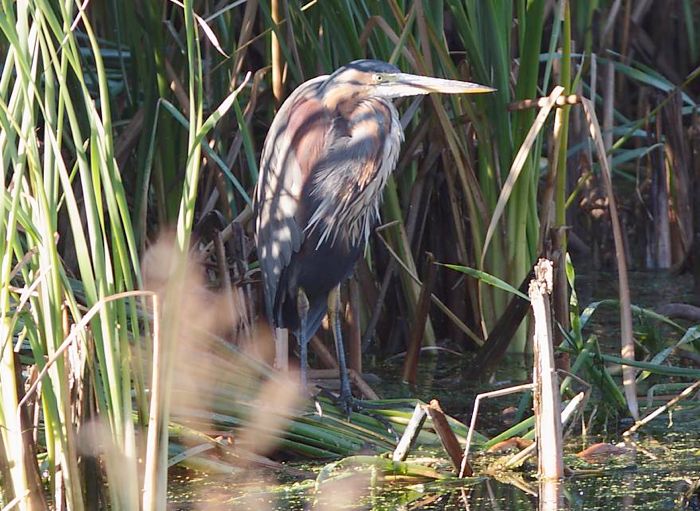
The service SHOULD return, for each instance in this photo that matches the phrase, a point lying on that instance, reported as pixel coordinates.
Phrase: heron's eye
(378, 78)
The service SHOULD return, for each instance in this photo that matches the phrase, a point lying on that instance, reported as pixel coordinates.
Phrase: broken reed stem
(281, 362)
(475, 413)
(695, 387)
(448, 439)
(547, 402)
(408, 439)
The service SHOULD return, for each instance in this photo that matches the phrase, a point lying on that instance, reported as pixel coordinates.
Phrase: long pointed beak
(405, 84)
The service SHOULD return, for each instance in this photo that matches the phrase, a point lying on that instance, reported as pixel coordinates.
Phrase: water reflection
(551, 495)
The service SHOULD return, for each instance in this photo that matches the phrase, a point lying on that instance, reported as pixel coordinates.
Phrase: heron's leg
(336, 323)
(303, 311)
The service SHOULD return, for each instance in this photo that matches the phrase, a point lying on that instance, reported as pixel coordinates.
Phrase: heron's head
(374, 78)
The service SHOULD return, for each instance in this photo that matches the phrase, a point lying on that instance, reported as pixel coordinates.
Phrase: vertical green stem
(563, 123)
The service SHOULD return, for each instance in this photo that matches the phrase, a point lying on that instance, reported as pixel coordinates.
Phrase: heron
(325, 161)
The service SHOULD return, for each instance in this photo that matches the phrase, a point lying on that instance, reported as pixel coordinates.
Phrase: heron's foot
(349, 404)
(346, 402)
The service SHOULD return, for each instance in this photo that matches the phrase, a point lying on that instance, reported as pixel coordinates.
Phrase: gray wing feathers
(276, 200)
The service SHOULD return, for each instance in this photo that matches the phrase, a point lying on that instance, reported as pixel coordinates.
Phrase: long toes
(349, 404)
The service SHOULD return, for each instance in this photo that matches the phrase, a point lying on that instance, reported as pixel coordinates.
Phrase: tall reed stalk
(67, 243)
(57, 201)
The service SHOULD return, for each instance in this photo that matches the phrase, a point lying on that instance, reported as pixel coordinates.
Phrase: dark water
(654, 474)
(654, 477)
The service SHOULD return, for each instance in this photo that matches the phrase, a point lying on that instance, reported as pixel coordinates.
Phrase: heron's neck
(349, 185)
